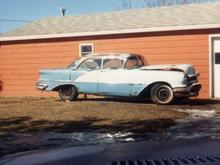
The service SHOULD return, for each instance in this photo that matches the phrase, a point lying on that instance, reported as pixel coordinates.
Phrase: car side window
(90, 64)
(112, 64)
(140, 61)
(133, 62)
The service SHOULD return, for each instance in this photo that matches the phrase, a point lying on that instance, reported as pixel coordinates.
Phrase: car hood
(186, 68)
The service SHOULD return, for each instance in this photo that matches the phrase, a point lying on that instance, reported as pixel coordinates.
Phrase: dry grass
(40, 114)
(54, 109)
(23, 119)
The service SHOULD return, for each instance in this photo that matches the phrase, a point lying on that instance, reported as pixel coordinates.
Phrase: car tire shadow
(177, 102)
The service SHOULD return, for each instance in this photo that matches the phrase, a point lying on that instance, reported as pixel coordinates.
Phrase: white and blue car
(123, 75)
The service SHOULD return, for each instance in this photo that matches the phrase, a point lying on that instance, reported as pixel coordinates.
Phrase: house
(174, 34)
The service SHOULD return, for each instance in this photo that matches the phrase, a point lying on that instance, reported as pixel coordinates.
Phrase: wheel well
(146, 91)
(63, 86)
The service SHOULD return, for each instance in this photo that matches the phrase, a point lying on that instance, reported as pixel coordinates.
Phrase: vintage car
(123, 75)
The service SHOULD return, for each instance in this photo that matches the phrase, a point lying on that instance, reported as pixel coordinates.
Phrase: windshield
(75, 63)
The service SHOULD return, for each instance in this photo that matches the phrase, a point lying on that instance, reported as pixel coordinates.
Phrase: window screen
(86, 49)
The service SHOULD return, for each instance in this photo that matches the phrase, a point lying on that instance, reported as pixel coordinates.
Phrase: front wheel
(162, 94)
(68, 93)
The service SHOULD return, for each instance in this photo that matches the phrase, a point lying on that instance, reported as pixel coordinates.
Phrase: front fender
(146, 89)
(173, 79)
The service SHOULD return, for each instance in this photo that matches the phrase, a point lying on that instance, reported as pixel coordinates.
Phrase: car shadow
(116, 99)
(189, 102)
(197, 102)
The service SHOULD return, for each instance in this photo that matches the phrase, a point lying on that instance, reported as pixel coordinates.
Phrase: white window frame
(85, 44)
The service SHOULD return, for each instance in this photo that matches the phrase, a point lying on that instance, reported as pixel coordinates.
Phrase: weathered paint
(22, 60)
(58, 77)
(114, 82)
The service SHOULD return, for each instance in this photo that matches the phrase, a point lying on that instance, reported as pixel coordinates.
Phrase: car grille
(191, 78)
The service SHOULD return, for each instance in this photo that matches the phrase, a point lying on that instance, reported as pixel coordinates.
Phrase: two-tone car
(121, 74)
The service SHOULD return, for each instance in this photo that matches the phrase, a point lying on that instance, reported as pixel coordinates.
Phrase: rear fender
(56, 88)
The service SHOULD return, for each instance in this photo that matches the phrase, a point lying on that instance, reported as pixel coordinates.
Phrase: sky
(12, 11)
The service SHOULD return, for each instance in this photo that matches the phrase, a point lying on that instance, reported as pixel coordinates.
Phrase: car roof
(110, 55)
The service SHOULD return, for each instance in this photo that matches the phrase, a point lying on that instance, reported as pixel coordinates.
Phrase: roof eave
(110, 32)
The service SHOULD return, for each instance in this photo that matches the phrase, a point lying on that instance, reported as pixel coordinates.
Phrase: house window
(85, 49)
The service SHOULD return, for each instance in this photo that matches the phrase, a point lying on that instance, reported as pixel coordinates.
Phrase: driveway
(43, 123)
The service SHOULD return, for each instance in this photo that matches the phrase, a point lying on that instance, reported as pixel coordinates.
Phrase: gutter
(110, 32)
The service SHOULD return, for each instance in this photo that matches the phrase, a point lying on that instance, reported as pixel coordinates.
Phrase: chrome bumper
(188, 91)
(41, 86)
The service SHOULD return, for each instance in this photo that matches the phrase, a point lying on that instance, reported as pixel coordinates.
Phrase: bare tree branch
(126, 4)
(168, 2)
(130, 4)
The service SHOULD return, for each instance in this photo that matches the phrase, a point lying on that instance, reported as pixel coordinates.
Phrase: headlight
(191, 78)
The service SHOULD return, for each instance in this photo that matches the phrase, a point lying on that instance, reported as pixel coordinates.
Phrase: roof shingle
(172, 16)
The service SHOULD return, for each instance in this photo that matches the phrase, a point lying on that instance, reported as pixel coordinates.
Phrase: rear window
(133, 62)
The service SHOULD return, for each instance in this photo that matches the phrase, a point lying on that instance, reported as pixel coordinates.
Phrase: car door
(89, 70)
(113, 80)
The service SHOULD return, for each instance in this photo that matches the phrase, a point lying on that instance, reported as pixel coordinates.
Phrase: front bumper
(188, 91)
(41, 86)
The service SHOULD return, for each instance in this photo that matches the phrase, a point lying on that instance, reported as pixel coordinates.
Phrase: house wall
(21, 60)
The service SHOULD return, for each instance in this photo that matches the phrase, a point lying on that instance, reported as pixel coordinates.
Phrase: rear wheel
(162, 94)
(68, 93)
